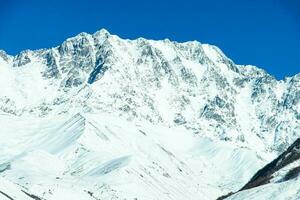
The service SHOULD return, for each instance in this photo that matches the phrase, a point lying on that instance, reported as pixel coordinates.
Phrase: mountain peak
(102, 33)
(4, 56)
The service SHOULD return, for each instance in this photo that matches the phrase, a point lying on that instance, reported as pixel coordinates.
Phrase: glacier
(101, 117)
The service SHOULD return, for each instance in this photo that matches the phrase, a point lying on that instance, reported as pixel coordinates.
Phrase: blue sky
(265, 33)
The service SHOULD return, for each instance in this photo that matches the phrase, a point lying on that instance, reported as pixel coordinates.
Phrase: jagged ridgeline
(179, 84)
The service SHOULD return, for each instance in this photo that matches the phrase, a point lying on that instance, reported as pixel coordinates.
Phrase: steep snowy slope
(277, 180)
(100, 117)
(96, 156)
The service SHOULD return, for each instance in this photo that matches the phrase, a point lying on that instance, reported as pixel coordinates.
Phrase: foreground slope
(279, 179)
(96, 156)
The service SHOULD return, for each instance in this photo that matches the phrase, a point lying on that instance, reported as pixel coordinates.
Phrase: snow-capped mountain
(100, 117)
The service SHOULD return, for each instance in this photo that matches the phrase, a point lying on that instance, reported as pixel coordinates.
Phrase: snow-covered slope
(98, 156)
(277, 180)
(100, 117)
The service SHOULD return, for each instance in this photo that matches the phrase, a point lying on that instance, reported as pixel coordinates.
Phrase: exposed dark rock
(264, 175)
(3, 55)
(52, 66)
(6, 195)
(22, 59)
(5, 166)
(32, 195)
(293, 173)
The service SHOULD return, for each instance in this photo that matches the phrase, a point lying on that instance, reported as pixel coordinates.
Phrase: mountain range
(101, 117)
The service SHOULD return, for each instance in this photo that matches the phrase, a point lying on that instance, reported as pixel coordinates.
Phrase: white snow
(163, 120)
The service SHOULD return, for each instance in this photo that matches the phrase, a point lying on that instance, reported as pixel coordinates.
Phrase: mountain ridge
(106, 32)
(80, 63)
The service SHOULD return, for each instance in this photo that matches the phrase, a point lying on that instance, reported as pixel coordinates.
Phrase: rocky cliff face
(176, 84)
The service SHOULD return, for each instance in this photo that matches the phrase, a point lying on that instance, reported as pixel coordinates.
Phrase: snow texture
(100, 117)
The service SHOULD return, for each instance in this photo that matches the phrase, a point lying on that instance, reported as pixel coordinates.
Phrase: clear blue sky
(265, 33)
